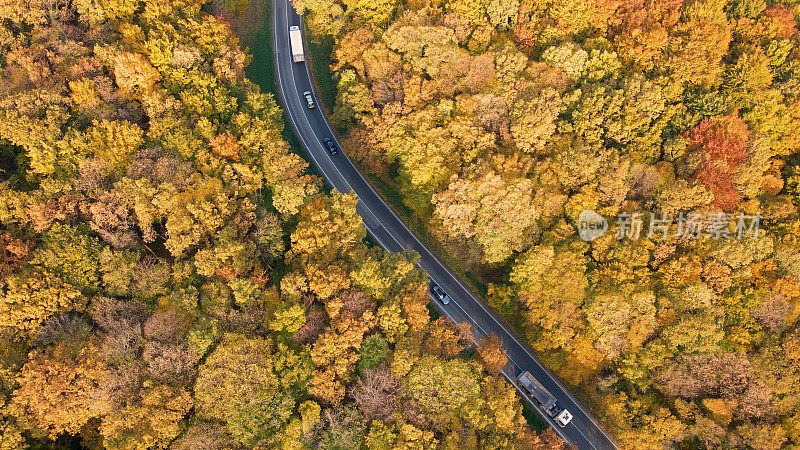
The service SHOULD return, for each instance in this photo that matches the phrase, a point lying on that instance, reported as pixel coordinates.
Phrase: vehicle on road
(563, 418)
(545, 399)
(296, 42)
(440, 294)
(330, 145)
(309, 99)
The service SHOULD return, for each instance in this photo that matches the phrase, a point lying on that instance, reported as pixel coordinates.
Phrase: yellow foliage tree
(59, 387)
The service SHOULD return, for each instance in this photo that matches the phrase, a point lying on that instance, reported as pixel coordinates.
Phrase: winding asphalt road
(391, 233)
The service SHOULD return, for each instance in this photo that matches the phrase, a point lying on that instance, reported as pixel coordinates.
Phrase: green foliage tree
(253, 405)
(71, 253)
(374, 350)
(444, 390)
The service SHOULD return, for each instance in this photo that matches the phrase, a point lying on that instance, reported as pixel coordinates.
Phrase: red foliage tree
(723, 141)
(13, 252)
(780, 21)
(721, 138)
(226, 146)
(719, 182)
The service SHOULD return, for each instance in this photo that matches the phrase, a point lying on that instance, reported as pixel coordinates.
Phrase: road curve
(310, 126)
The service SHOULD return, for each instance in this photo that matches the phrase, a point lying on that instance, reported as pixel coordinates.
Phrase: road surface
(390, 232)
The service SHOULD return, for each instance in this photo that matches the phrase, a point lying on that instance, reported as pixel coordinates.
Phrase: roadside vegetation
(499, 123)
(172, 277)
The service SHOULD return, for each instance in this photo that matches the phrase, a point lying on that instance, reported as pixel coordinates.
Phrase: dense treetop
(170, 276)
(499, 122)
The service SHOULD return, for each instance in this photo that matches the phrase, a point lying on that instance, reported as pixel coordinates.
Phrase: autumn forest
(173, 278)
(499, 122)
(172, 274)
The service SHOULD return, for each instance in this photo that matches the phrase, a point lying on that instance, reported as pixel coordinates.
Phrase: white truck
(296, 42)
(545, 399)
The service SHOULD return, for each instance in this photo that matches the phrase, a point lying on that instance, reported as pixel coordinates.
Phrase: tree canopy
(499, 123)
(171, 276)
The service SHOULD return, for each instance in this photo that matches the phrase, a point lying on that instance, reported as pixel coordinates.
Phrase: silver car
(440, 294)
(309, 99)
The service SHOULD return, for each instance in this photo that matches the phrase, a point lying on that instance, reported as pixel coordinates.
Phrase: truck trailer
(545, 399)
(296, 42)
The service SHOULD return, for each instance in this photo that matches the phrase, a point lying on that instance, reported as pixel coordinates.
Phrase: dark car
(309, 99)
(330, 144)
(440, 294)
